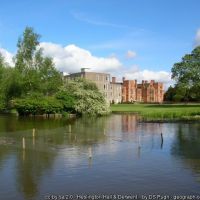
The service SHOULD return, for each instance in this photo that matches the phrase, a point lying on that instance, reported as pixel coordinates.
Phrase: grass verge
(161, 112)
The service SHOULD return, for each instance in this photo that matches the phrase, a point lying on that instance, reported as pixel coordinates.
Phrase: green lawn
(161, 112)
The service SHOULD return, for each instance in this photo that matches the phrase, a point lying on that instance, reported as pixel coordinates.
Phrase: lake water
(113, 155)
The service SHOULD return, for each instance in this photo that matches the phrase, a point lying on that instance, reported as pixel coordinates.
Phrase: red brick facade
(151, 92)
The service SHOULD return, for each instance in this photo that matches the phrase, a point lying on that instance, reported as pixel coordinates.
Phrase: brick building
(125, 91)
(147, 92)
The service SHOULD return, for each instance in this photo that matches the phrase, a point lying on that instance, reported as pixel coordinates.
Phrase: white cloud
(71, 58)
(131, 54)
(7, 56)
(197, 38)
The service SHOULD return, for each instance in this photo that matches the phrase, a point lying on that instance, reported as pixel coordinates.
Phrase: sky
(138, 39)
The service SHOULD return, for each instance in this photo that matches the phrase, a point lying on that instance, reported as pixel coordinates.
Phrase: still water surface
(109, 155)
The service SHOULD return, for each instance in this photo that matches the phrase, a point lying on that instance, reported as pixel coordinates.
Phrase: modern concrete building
(127, 91)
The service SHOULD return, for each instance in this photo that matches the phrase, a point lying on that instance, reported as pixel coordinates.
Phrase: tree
(85, 98)
(187, 75)
(51, 79)
(2, 69)
(27, 46)
(34, 68)
(169, 94)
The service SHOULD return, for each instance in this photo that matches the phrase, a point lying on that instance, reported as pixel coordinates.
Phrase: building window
(107, 78)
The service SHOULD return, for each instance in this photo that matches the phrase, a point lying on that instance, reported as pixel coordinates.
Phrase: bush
(37, 106)
(84, 98)
(66, 99)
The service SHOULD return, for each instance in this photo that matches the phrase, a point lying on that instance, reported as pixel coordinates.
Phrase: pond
(113, 155)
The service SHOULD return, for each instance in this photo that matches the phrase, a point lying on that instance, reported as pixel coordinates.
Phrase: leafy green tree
(37, 105)
(67, 99)
(2, 70)
(187, 75)
(27, 46)
(51, 79)
(88, 99)
(169, 94)
(34, 68)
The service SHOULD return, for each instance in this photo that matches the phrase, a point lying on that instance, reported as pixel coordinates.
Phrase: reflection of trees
(83, 131)
(31, 164)
(41, 151)
(13, 123)
(187, 145)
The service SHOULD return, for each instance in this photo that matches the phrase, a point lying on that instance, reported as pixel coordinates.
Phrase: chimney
(84, 69)
(113, 79)
(135, 81)
(123, 79)
(152, 82)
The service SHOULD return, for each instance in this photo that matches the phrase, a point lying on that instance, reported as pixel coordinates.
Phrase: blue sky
(157, 33)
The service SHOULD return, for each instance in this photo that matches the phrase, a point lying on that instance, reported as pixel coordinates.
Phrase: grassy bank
(161, 112)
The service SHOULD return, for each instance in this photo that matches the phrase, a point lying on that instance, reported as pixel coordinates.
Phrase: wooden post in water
(90, 152)
(90, 156)
(23, 155)
(70, 128)
(23, 143)
(139, 144)
(33, 136)
(33, 132)
(161, 140)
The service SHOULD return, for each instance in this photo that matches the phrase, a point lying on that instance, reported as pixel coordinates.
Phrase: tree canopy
(84, 98)
(186, 73)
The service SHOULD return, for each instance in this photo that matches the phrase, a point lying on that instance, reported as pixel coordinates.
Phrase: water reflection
(187, 146)
(108, 154)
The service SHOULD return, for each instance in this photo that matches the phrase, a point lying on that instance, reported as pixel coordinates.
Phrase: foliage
(37, 106)
(87, 99)
(34, 68)
(27, 46)
(30, 70)
(169, 94)
(66, 99)
(187, 76)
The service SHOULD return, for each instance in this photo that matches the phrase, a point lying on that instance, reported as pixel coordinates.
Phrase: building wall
(129, 90)
(110, 90)
(148, 92)
(102, 81)
(116, 92)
